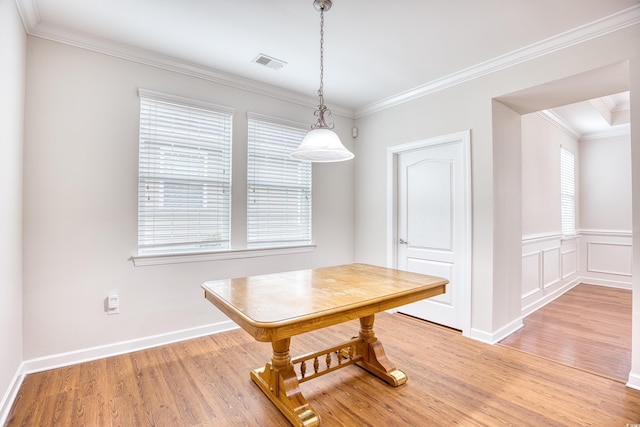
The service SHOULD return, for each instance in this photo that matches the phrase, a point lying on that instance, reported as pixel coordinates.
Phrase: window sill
(176, 258)
(567, 237)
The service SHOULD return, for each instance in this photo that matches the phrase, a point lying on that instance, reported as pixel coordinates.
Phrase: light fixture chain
(322, 111)
(321, 91)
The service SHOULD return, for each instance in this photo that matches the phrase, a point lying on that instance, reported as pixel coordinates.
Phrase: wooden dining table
(275, 307)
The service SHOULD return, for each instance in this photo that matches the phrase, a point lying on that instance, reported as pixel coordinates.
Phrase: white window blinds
(278, 188)
(567, 192)
(184, 175)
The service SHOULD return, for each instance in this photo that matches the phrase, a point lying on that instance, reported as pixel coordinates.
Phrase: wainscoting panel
(551, 266)
(569, 259)
(548, 269)
(531, 274)
(609, 258)
(606, 257)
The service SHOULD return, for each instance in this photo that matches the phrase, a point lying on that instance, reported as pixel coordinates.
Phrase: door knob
(402, 241)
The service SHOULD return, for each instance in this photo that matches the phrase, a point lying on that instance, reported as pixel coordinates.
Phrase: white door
(433, 224)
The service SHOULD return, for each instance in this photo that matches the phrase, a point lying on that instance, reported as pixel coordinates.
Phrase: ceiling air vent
(269, 61)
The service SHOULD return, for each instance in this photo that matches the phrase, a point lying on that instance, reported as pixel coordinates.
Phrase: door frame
(393, 153)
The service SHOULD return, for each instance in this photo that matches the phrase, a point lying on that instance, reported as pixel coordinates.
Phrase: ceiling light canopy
(321, 144)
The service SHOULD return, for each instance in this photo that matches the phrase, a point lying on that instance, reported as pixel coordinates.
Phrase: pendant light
(321, 144)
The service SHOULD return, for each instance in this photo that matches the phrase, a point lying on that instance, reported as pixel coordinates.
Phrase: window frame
(151, 259)
(567, 193)
(290, 184)
(186, 138)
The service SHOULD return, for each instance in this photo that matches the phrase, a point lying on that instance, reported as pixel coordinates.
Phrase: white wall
(549, 262)
(605, 178)
(469, 106)
(80, 203)
(507, 220)
(12, 81)
(602, 254)
(634, 68)
(606, 250)
(541, 141)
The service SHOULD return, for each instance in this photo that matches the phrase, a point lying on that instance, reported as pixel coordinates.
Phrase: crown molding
(623, 106)
(147, 57)
(563, 125)
(609, 103)
(28, 13)
(35, 27)
(598, 28)
(614, 131)
(560, 123)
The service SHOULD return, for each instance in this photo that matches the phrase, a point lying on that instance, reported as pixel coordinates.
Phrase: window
(567, 192)
(278, 188)
(184, 175)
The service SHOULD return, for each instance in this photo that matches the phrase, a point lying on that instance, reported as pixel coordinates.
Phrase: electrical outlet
(113, 304)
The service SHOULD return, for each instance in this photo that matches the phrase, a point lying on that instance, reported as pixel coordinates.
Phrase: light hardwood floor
(453, 380)
(589, 328)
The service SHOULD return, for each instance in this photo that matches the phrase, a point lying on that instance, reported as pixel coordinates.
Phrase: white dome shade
(321, 145)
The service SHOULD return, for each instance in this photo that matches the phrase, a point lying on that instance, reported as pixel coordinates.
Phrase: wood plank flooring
(453, 380)
(589, 328)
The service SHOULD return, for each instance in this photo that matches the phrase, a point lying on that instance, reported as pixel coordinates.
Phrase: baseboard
(85, 355)
(10, 395)
(497, 336)
(634, 381)
(568, 286)
(100, 352)
(607, 283)
(550, 297)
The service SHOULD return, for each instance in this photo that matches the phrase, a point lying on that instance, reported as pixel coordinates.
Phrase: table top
(280, 305)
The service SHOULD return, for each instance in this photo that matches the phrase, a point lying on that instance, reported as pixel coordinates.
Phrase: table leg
(374, 358)
(280, 383)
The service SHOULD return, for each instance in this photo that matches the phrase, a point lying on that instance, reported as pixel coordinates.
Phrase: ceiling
(376, 53)
(595, 118)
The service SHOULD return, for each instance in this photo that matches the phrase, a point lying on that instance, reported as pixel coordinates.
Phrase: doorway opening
(601, 252)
